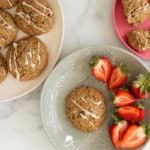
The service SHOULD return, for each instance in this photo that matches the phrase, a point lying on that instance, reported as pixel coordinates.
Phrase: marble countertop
(87, 23)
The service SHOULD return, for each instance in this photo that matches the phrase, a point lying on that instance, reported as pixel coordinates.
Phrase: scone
(3, 68)
(34, 16)
(139, 40)
(27, 58)
(8, 29)
(6, 4)
(136, 11)
(85, 107)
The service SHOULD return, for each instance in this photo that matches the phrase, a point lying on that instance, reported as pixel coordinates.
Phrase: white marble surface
(87, 23)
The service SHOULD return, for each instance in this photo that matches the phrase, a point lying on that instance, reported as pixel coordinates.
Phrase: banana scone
(6, 4)
(3, 68)
(34, 16)
(85, 107)
(139, 40)
(8, 29)
(27, 58)
(136, 11)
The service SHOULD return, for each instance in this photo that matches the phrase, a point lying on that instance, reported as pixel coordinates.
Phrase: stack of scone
(136, 12)
(26, 58)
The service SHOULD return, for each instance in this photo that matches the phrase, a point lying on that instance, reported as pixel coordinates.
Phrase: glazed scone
(27, 58)
(3, 68)
(139, 40)
(85, 107)
(136, 11)
(34, 16)
(6, 4)
(8, 29)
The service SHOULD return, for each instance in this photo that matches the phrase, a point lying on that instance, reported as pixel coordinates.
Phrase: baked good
(27, 58)
(3, 68)
(136, 11)
(139, 40)
(8, 29)
(34, 16)
(86, 108)
(6, 4)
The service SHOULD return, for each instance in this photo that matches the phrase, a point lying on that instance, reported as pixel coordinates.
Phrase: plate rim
(118, 34)
(57, 66)
(54, 62)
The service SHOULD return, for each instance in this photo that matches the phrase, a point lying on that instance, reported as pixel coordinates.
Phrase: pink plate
(123, 28)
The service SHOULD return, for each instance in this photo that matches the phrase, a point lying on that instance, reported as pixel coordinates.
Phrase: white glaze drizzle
(6, 24)
(83, 99)
(33, 8)
(10, 3)
(10, 63)
(38, 53)
(92, 124)
(29, 53)
(26, 62)
(15, 64)
(86, 112)
(83, 116)
(2, 38)
(97, 103)
(27, 19)
(44, 7)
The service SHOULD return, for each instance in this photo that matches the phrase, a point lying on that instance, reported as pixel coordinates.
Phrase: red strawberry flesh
(134, 137)
(118, 76)
(116, 132)
(129, 113)
(122, 98)
(101, 68)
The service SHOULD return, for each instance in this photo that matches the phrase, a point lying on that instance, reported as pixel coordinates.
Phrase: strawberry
(118, 76)
(142, 112)
(122, 97)
(116, 132)
(135, 136)
(141, 86)
(101, 68)
(131, 113)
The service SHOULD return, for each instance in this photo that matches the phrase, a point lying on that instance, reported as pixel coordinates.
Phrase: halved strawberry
(141, 86)
(142, 112)
(118, 76)
(101, 68)
(122, 97)
(116, 132)
(135, 136)
(131, 113)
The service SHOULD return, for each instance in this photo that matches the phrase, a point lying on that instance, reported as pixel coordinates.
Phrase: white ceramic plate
(11, 88)
(72, 72)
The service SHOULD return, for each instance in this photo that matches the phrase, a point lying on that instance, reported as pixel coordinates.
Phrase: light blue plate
(72, 72)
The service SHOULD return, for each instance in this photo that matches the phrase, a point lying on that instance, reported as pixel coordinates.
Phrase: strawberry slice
(142, 112)
(142, 115)
(130, 113)
(101, 68)
(141, 86)
(116, 132)
(122, 97)
(118, 76)
(135, 136)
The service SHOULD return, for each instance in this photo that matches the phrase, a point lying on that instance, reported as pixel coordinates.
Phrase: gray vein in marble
(6, 109)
